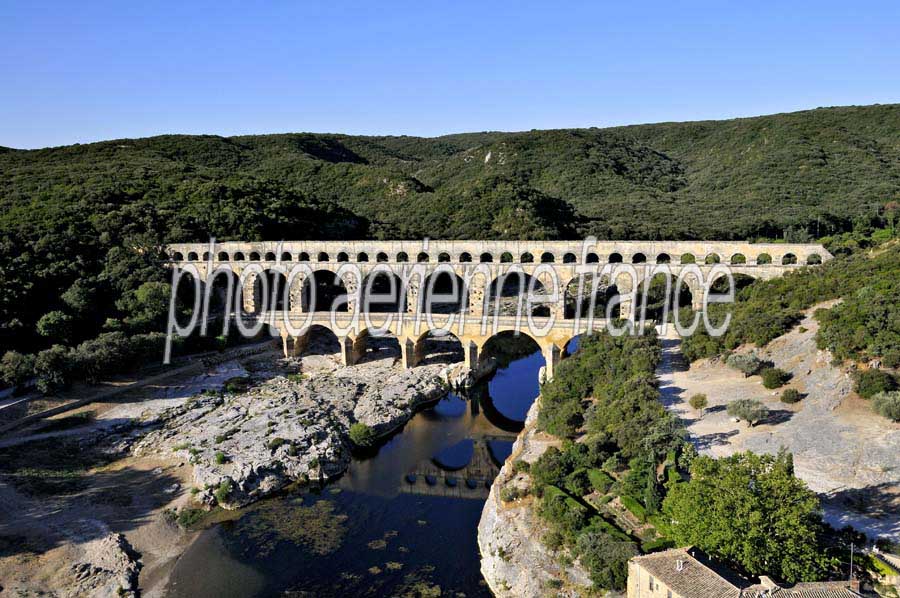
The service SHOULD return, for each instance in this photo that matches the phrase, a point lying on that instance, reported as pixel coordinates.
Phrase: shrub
(870, 382)
(275, 443)
(55, 325)
(634, 507)
(747, 363)
(16, 368)
(699, 402)
(605, 558)
(223, 491)
(887, 404)
(220, 458)
(749, 410)
(53, 369)
(600, 481)
(791, 395)
(774, 377)
(520, 466)
(362, 435)
(237, 384)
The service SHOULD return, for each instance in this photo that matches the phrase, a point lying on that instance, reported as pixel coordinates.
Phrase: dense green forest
(81, 227)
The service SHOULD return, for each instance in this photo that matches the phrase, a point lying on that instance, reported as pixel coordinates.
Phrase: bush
(605, 558)
(600, 481)
(55, 325)
(749, 410)
(53, 369)
(791, 395)
(869, 383)
(774, 377)
(887, 404)
(362, 435)
(223, 491)
(220, 458)
(699, 401)
(16, 369)
(634, 507)
(748, 363)
(275, 443)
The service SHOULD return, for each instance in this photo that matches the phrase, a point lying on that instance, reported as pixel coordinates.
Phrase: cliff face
(514, 561)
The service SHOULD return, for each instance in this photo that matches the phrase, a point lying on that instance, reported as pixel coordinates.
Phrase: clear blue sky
(84, 71)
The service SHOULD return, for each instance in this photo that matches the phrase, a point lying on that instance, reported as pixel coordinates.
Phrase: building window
(668, 593)
(651, 583)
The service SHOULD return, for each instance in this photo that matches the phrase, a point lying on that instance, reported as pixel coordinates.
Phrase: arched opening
(381, 257)
(177, 256)
(663, 258)
(239, 257)
(438, 346)
(486, 258)
(205, 256)
(362, 257)
(688, 258)
(286, 257)
(270, 256)
(789, 259)
(813, 259)
(659, 302)
(385, 346)
(506, 257)
(582, 297)
(225, 283)
(323, 257)
(569, 258)
(324, 291)
(465, 257)
(192, 256)
(763, 259)
(527, 258)
(422, 257)
(509, 293)
(507, 395)
(712, 258)
(223, 256)
(343, 257)
(402, 257)
(304, 257)
(615, 258)
(638, 258)
(741, 281)
(383, 292)
(738, 258)
(443, 257)
(321, 341)
(593, 258)
(185, 294)
(277, 295)
(254, 256)
(547, 258)
(443, 292)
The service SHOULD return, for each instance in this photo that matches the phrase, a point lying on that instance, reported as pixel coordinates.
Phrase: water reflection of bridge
(473, 480)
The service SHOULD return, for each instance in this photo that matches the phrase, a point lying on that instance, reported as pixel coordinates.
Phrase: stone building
(688, 573)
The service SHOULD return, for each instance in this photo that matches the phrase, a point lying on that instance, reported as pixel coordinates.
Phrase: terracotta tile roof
(690, 574)
(694, 580)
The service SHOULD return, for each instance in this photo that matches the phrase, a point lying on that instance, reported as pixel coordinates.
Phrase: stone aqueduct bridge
(556, 265)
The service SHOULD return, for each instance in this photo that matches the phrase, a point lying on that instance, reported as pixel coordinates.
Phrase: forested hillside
(80, 226)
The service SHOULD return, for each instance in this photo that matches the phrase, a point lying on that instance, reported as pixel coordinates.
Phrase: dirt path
(844, 451)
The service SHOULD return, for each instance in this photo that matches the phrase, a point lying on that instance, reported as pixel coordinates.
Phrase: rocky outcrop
(514, 561)
(250, 444)
(108, 567)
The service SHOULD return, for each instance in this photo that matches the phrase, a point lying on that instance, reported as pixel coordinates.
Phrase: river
(400, 522)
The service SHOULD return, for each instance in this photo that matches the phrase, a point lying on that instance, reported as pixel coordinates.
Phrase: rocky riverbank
(514, 562)
(100, 523)
(288, 427)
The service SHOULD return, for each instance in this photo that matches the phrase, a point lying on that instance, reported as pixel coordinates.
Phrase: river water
(400, 522)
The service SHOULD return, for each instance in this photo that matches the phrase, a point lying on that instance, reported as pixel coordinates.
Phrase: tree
(887, 404)
(53, 369)
(55, 325)
(749, 410)
(891, 214)
(698, 402)
(751, 511)
(774, 377)
(605, 558)
(748, 363)
(16, 368)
